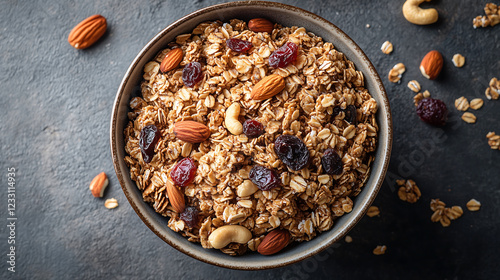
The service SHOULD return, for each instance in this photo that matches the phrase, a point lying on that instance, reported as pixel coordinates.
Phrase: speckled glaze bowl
(287, 16)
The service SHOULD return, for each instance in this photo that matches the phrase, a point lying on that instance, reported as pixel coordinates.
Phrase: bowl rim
(356, 49)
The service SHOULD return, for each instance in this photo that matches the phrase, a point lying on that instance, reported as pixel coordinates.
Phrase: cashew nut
(224, 235)
(414, 14)
(232, 123)
(246, 188)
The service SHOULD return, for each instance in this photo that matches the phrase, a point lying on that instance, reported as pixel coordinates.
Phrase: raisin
(264, 178)
(284, 55)
(336, 111)
(148, 139)
(292, 151)
(350, 114)
(183, 172)
(253, 128)
(191, 74)
(239, 45)
(331, 162)
(190, 216)
(432, 111)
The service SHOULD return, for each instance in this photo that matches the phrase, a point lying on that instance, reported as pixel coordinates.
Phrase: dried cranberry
(292, 151)
(253, 128)
(432, 111)
(191, 74)
(238, 45)
(350, 114)
(190, 216)
(147, 141)
(331, 162)
(264, 178)
(284, 55)
(183, 172)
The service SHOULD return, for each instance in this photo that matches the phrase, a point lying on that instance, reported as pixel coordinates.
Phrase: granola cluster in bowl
(251, 140)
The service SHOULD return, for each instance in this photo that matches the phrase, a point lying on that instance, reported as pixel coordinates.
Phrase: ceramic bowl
(287, 16)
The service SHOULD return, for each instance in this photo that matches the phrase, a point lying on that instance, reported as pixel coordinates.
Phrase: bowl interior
(286, 16)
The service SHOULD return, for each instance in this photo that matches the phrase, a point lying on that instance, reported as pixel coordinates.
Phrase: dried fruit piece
(87, 32)
(274, 242)
(253, 128)
(283, 56)
(148, 138)
(265, 178)
(192, 74)
(331, 162)
(432, 111)
(190, 216)
(260, 25)
(171, 60)
(292, 151)
(431, 65)
(183, 172)
(351, 114)
(238, 45)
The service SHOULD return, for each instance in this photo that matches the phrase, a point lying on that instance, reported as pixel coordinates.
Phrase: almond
(171, 60)
(274, 242)
(260, 25)
(87, 32)
(175, 196)
(191, 131)
(431, 65)
(99, 184)
(268, 87)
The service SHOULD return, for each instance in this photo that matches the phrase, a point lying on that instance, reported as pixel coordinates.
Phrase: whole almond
(268, 87)
(171, 60)
(87, 32)
(175, 196)
(274, 242)
(431, 65)
(260, 25)
(99, 184)
(191, 131)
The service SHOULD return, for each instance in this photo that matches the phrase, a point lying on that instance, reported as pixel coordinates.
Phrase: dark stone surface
(56, 105)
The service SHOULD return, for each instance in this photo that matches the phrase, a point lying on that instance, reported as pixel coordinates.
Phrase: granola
(492, 17)
(318, 83)
(408, 191)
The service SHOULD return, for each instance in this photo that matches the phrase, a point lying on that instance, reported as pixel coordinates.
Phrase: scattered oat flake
(414, 85)
(443, 214)
(379, 250)
(373, 211)
(408, 191)
(458, 60)
(493, 91)
(111, 203)
(462, 104)
(426, 94)
(387, 47)
(348, 239)
(473, 205)
(492, 17)
(476, 103)
(493, 140)
(396, 73)
(417, 98)
(469, 117)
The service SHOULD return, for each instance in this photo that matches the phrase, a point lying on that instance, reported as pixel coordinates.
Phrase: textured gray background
(55, 110)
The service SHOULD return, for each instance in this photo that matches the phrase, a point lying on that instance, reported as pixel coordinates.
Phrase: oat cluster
(408, 191)
(492, 17)
(308, 201)
(444, 214)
